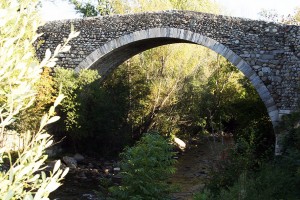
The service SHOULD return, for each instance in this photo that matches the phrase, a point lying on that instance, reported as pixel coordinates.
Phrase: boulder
(78, 157)
(181, 144)
(70, 162)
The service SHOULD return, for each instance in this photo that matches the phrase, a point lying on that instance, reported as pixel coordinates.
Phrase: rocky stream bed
(92, 175)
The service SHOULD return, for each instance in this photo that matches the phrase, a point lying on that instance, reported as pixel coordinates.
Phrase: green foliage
(146, 167)
(25, 178)
(73, 84)
(253, 135)
(19, 68)
(94, 113)
(276, 180)
(19, 71)
(270, 182)
(206, 6)
(19, 74)
(90, 9)
(270, 179)
(218, 96)
(155, 78)
(45, 96)
(291, 129)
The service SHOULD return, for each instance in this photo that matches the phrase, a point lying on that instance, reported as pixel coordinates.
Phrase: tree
(19, 72)
(297, 15)
(44, 99)
(273, 16)
(167, 69)
(161, 72)
(91, 9)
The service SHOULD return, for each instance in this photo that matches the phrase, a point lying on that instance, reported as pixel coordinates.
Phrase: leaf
(51, 110)
(53, 185)
(34, 178)
(9, 195)
(57, 49)
(53, 119)
(65, 48)
(43, 175)
(28, 197)
(49, 143)
(56, 166)
(75, 34)
(9, 42)
(25, 170)
(43, 121)
(47, 54)
(51, 64)
(59, 99)
(65, 172)
(72, 28)
(42, 136)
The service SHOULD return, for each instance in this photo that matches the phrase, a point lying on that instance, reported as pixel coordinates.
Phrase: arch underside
(113, 53)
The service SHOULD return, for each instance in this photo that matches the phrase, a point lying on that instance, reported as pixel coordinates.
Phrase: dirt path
(193, 168)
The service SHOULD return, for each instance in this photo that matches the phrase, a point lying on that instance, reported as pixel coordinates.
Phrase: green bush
(73, 85)
(44, 98)
(271, 182)
(145, 170)
(94, 117)
(25, 178)
(271, 179)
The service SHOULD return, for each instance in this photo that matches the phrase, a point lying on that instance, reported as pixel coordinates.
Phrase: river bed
(193, 168)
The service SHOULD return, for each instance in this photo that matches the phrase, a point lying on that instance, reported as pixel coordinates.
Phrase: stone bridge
(268, 54)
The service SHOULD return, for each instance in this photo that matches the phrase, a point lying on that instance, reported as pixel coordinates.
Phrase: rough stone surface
(267, 53)
(78, 157)
(70, 162)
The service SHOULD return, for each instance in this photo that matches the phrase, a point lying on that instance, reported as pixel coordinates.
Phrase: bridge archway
(113, 53)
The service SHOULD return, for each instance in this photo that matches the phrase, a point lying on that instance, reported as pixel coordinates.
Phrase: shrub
(94, 116)
(73, 87)
(19, 72)
(270, 182)
(44, 98)
(274, 179)
(145, 169)
(25, 178)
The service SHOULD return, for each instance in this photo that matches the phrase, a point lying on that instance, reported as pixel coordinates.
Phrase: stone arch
(111, 54)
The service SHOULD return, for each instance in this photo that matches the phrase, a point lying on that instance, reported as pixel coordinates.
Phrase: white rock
(181, 144)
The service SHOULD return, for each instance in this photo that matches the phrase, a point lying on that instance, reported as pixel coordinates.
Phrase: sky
(250, 8)
(61, 9)
(57, 9)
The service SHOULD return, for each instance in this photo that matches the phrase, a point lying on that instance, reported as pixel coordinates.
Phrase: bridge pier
(280, 135)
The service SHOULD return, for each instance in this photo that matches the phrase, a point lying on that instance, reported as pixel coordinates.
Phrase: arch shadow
(113, 53)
